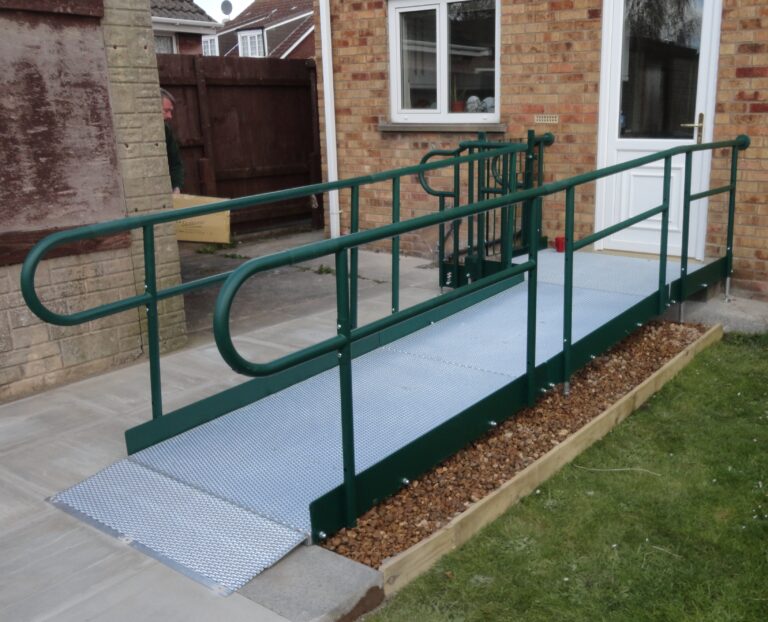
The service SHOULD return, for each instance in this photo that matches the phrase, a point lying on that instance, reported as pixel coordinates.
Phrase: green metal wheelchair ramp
(227, 499)
(226, 486)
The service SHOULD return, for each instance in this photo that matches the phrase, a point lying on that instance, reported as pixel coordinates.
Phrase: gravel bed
(434, 499)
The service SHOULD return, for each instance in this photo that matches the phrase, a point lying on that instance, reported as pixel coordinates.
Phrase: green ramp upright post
(507, 226)
(684, 244)
(153, 329)
(533, 250)
(732, 212)
(344, 329)
(664, 236)
(568, 289)
(354, 226)
(481, 217)
(396, 245)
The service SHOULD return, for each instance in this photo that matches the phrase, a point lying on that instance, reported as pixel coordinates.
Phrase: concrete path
(739, 313)
(54, 567)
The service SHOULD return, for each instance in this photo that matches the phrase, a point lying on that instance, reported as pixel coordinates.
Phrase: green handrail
(740, 143)
(343, 249)
(42, 248)
(147, 223)
(326, 247)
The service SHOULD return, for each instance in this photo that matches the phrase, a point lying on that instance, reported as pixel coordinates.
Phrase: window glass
(444, 57)
(472, 56)
(252, 44)
(210, 46)
(660, 65)
(418, 39)
(163, 44)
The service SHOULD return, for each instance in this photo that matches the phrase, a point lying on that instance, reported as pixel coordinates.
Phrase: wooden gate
(247, 126)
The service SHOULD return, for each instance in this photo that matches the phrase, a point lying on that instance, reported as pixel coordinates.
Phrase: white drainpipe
(329, 105)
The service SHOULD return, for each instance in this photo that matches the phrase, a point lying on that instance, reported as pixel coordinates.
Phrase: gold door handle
(699, 127)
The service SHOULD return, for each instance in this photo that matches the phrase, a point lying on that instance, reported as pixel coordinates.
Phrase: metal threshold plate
(211, 540)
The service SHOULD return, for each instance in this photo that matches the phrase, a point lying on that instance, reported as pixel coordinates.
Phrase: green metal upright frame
(485, 179)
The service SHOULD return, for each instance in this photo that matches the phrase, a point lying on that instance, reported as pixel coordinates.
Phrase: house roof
(179, 9)
(266, 13)
(303, 27)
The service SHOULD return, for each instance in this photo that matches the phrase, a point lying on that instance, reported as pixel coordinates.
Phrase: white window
(252, 43)
(210, 45)
(165, 44)
(444, 61)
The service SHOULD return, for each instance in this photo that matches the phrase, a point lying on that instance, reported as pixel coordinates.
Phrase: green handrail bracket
(497, 188)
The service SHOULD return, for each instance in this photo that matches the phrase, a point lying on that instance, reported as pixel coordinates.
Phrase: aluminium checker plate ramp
(202, 536)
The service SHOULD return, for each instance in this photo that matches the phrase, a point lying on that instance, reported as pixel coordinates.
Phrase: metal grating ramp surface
(205, 537)
(227, 499)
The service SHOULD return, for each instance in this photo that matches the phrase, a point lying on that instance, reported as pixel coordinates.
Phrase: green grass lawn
(664, 519)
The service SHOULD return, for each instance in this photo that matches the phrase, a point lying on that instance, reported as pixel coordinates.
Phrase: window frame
(442, 115)
(259, 34)
(210, 39)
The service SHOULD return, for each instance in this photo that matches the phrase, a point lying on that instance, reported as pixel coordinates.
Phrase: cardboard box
(212, 228)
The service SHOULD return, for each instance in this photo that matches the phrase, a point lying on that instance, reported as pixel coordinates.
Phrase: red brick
(751, 48)
(752, 72)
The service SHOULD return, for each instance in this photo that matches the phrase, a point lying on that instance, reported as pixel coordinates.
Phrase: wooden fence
(247, 126)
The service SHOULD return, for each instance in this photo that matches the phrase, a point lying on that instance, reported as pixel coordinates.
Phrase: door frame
(610, 64)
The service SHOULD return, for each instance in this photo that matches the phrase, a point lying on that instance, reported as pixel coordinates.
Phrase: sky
(213, 8)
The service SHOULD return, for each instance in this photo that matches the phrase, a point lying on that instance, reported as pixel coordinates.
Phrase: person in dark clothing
(175, 165)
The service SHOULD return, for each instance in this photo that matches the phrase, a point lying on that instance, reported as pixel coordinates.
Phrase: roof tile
(179, 9)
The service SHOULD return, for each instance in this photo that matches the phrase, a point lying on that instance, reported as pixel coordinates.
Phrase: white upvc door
(658, 78)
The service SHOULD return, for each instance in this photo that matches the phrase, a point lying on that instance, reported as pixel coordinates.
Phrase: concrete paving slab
(18, 505)
(163, 598)
(313, 584)
(56, 568)
(53, 463)
(53, 560)
(31, 418)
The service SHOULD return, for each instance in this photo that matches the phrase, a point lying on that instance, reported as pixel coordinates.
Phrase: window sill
(494, 128)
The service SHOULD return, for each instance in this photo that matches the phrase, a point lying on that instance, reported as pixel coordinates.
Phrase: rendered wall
(34, 355)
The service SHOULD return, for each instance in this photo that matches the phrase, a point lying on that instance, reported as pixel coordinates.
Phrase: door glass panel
(418, 54)
(471, 61)
(659, 68)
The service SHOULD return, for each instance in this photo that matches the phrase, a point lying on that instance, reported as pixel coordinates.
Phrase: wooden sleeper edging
(404, 567)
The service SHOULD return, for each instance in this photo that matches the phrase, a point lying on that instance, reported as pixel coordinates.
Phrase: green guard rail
(152, 295)
(347, 331)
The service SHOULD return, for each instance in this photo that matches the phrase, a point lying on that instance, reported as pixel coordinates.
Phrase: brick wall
(742, 108)
(189, 43)
(539, 74)
(550, 64)
(34, 355)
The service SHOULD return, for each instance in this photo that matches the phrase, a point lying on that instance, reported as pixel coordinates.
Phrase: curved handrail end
(743, 141)
(548, 139)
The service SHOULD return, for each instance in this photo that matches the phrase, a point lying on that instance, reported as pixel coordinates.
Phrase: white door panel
(658, 74)
(639, 190)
